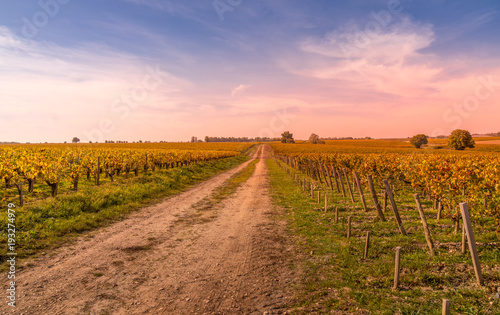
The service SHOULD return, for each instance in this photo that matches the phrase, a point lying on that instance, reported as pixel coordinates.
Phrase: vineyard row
(54, 166)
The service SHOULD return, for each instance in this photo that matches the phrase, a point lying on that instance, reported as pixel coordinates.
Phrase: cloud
(385, 45)
(8, 40)
(240, 89)
(388, 61)
(56, 93)
(44, 84)
(391, 72)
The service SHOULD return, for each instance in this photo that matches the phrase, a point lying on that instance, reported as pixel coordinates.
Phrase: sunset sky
(168, 70)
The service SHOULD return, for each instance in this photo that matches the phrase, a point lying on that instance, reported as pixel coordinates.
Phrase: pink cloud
(391, 76)
(240, 89)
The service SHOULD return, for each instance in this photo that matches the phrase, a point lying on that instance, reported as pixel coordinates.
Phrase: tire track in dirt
(172, 258)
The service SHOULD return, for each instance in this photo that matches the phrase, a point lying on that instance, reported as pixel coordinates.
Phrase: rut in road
(173, 258)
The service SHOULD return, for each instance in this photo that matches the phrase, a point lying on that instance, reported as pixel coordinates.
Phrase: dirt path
(171, 258)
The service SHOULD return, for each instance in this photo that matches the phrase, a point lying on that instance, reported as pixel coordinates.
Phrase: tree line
(239, 139)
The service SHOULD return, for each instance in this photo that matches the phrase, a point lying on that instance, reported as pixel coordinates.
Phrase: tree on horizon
(287, 137)
(460, 139)
(314, 139)
(419, 140)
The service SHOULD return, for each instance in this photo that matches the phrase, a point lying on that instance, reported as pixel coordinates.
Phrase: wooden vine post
(348, 185)
(334, 172)
(349, 227)
(427, 233)
(397, 268)
(326, 201)
(319, 171)
(375, 199)
(385, 200)
(360, 189)
(341, 183)
(367, 244)
(446, 307)
(472, 242)
(326, 174)
(394, 207)
(328, 177)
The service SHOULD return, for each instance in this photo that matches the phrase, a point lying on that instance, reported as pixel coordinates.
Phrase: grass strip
(220, 194)
(234, 182)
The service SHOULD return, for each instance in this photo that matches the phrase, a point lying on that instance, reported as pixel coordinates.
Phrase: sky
(163, 70)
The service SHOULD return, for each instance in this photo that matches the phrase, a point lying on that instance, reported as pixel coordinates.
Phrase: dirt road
(171, 258)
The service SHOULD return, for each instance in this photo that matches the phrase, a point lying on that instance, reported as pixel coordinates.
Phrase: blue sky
(169, 70)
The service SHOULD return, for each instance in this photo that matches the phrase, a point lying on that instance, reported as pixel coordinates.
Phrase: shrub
(419, 140)
(314, 139)
(287, 137)
(460, 139)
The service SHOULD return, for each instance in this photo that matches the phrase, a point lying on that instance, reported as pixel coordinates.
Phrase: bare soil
(176, 257)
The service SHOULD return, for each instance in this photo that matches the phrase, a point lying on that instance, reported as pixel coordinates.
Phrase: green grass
(206, 209)
(234, 182)
(50, 222)
(336, 277)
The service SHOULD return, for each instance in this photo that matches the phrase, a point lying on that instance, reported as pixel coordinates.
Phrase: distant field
(214, 146)
(486, 138)
(486, 144)
(489, 142)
